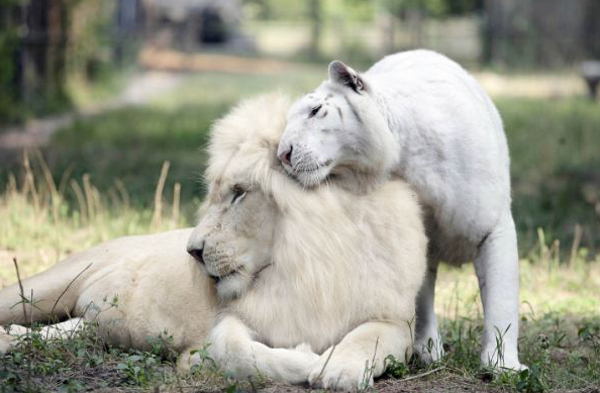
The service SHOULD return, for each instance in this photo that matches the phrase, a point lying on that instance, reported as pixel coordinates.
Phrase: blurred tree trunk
(591, 29)
(43, 53)
(10, 71)
(389, 32)
(415, 21)
(56, 50)
(546, 33)
(315, 36)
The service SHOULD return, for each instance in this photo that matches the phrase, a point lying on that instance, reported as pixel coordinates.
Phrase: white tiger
(418, 115)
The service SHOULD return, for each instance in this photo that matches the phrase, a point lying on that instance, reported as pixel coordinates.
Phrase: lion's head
(237, 219)
(335, 129)
(233, 240)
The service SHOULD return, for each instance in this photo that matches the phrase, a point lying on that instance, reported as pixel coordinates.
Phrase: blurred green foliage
(42, 51)
(359, 9)
(555, 167)
(433, 8)
(9, 41)
(554, 145)
(129, 145)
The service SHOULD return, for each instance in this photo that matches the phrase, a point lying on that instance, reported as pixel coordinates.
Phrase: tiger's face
(330, 129)
(313, 143)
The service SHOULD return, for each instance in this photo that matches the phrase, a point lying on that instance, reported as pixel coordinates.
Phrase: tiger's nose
(286, 156)
(197, 252)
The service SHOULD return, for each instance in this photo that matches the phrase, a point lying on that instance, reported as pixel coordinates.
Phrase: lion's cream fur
(320, 268)
(339, 263)
(152, 283)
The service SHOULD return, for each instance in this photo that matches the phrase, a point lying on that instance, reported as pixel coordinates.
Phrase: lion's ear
(341, 74)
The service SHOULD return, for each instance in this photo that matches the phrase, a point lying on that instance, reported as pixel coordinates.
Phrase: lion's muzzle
(196, 251)
(218, 261)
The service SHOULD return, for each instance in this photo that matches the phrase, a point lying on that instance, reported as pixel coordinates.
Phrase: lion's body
(334, 288)
(135, 287)
(332, 245)
(290, 268)
(340, 264)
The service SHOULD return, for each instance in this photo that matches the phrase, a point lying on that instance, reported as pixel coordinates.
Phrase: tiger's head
(337, 130)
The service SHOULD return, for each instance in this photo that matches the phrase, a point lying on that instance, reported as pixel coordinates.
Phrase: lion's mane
(338, 259)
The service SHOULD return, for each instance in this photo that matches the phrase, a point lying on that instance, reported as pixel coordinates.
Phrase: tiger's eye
(314, 111)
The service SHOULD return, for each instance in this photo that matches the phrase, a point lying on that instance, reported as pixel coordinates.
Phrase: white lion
(421, 117)
(282, 271)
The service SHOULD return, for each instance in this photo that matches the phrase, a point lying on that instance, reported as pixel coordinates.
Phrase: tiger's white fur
(419, 116)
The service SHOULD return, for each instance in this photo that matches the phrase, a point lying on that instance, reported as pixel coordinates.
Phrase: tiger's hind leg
(428, 342)
(497, 268)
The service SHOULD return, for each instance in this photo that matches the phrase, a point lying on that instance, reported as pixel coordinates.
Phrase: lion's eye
(314, 111)
(238, 193)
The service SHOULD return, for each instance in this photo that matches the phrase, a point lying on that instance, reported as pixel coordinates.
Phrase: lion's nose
(196, 252)
(286, 156)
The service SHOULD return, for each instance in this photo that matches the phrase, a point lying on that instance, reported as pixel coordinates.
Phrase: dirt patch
(531, 86)
(169, 60)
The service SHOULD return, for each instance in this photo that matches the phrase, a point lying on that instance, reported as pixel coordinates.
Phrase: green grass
(563, 356)
(130, 144)
(555, 153)
(98, 179)
(83, 363)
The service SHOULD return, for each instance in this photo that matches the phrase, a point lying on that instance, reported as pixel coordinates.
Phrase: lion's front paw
(340, 373)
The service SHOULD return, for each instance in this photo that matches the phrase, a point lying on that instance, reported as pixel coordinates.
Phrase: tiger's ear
(341, 74)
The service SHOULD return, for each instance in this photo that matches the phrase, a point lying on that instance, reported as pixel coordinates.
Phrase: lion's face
(328, 128)
(234, 237)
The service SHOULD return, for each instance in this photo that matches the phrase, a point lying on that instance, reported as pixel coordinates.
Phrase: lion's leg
(48, 295)
(497, 267)
(428, 343)
(234, 349)
(185, 359)
(360, 356)
(62, 330)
